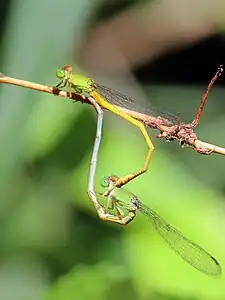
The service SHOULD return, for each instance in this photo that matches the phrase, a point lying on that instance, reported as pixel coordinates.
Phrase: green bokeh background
(52, 245)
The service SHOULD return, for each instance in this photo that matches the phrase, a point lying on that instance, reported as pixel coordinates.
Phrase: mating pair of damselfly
(118, 199)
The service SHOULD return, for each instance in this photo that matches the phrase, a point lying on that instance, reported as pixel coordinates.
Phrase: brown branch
(182, 132)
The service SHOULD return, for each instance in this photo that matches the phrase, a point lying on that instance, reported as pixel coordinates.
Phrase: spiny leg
(106, 216)
(125, 219)
(111, 203)
(61, 84)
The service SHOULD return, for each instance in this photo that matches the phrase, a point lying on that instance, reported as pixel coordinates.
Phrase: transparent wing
(117, 98)
(185, 248)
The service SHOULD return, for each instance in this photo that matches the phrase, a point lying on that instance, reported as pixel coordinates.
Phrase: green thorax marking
(81, 84)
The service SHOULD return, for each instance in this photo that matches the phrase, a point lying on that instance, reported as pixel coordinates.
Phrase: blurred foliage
(52, 244)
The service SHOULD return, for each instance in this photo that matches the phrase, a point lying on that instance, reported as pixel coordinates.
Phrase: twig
(182, 132)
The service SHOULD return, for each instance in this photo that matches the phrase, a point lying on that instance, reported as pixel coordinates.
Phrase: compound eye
(105, 182)
(60, 73)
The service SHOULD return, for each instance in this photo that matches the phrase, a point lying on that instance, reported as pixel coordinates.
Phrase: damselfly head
(67, 69)
(104, 182)
(60, 73)
(63, 72)
(109, 180)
